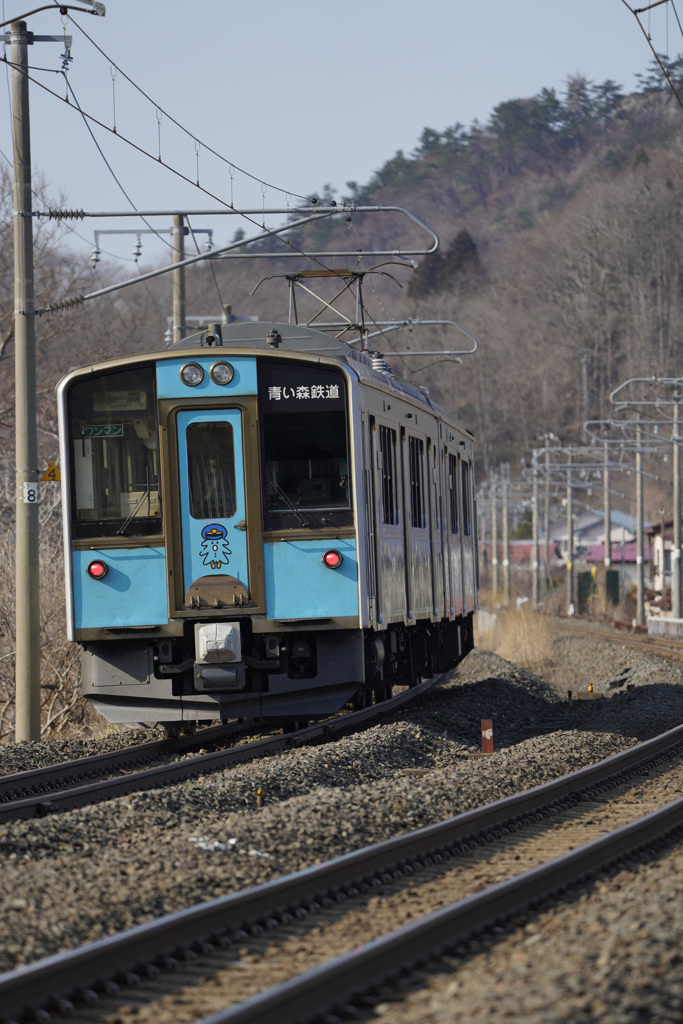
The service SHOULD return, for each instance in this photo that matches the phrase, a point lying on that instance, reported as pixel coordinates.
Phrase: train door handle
(242, 525)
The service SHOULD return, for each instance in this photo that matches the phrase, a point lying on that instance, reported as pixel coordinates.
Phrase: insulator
(95, 255)
(69, 303)
(66, 214)
(379, 363)
(137, 250)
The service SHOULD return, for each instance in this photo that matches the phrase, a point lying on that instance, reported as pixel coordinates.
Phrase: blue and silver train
(261, 522)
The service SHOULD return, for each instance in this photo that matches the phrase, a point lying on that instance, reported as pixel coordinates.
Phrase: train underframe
(293, 676)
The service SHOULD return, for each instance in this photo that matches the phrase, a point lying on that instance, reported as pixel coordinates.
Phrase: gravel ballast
(75, 877)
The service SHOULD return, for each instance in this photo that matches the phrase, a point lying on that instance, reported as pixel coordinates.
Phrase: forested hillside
(561, 225)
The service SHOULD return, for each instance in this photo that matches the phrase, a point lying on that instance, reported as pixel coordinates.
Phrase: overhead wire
(69, 227)
(210, 262)
(232, 166)
(107, 164)
(648, 37)
(385, 336)
(10, 162)
(179, 174)
(87, 118)
(673, 5)
(191, 135)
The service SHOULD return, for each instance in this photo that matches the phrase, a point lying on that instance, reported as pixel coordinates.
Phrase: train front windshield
(115, 452)
(305, 452)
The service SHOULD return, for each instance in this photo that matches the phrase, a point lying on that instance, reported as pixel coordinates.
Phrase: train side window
(431, 481)
(387, 447)
(211, 470)
(417, 490)
(466, 500)
(453, 493)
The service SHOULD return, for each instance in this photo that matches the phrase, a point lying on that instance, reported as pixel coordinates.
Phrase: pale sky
(299, 94)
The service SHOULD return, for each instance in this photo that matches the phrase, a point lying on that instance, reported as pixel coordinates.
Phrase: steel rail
(39, 805)
(337, 982)
(59, 976)
(61, 775)
(661, 644)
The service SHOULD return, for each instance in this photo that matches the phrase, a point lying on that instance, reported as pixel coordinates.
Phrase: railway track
(39, 781)
(73, 784)
(664, 646)
(440, 885)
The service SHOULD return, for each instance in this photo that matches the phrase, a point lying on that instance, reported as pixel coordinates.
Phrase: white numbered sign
(31, 494)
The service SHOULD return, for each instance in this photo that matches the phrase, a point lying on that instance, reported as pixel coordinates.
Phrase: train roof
(272, 337)
(370, 367)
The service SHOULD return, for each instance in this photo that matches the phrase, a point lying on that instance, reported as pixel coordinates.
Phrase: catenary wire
(88, 117)
(635, 13)
(211, 266)
(36, 194)
(673, 5)
(230, 163)
(108, 165)
(173, 170)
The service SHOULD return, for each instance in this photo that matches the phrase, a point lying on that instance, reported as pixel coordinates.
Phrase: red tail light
(332, 559)
(98, 570)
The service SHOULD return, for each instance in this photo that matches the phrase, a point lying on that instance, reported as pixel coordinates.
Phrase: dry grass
(523, 637)
(64, 713)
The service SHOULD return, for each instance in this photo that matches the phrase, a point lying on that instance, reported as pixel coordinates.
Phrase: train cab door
(211, 539)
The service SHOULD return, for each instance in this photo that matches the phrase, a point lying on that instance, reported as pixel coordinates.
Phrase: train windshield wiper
(291, 506)
(135, 509)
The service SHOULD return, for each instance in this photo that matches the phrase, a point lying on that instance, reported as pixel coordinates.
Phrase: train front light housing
(332, 559)
(191, 374)
(221, 373)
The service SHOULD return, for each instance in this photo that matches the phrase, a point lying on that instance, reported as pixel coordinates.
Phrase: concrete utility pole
(506, 537)
(27, 579)
(570, 543)
(494, 534)
(676, 553)
(179, 232)
(607, 510)
(534, 533)
(640, 569)
(27, 593)
(546, 524)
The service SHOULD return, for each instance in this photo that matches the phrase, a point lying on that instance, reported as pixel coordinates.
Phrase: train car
(261, 522)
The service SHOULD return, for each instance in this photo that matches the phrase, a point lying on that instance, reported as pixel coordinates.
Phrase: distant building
(662, 545)
(589, 531)
(589, 542)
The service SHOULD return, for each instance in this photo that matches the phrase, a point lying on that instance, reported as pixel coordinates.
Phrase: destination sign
(120, 401)
(299, 387)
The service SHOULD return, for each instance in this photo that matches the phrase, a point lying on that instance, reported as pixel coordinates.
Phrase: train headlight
(332, 559)
(97, 569)
(221, 373)
(191, 374)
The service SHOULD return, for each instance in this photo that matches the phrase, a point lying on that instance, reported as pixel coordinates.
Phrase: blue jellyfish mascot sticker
(214, 550)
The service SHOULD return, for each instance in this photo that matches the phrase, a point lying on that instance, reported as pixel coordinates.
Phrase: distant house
(589, 543)
(661, 544)
(589, 532)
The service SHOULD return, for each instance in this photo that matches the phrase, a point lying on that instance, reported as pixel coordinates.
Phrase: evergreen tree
(461, 259)
(460, 264)
(653, 80)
